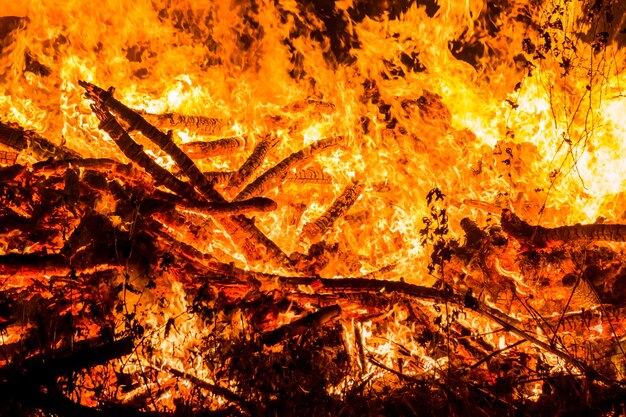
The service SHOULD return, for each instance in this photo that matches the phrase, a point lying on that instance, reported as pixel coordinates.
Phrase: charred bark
(15, 137)
(201, 125)
(255, 244)
(199, 150)
(543, 236)
(256, 204)
(276, 175)
(253, 162)
(135, 153)
(315, 229)
(219, 177)
(163, 141)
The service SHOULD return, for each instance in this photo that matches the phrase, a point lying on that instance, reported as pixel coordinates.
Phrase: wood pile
(94, 249)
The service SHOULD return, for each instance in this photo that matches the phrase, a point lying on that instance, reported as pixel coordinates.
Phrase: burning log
(253, 162)
(346, 285)
(15, 137)
(219, 177)
(191, 254)
(41, 369)
(254, 243)
(310, 176)
(301, 325)
(8, 158)
(9, 173)
(53, 402)
(315, 229)
(124, 171)
(301, 176)
(199, 150)
(276, 175)
(163, 141)
(256, 204)
(135, 153)
(473, 234)
(201, 125)
(542, 236)
(33, 265)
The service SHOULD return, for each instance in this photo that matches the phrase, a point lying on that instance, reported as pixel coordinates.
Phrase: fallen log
(45, 368)
(214, 389)
(514, 326)
(34, 380)
(33, 265)
(543, 236)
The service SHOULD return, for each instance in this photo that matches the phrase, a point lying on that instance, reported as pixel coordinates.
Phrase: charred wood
(542, 236)
(33, 265)
(256, 204)
(252, 241)
(10, 172)
(473, 234)
(253, 162)
(201, 125)
(135, 153)
(34, 380)
(304, 176)
(32, 64)
(124, 171)
(215, 389)
(345, 285)
(51, 400)
(277, 174)
(15, 137)
(44, 368)
(310, 176)
(163, 141)
(219, 177)
(8, 158)
(315, 229)
(225, 146)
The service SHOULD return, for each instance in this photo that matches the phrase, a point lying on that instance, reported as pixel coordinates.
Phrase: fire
(348, 119)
